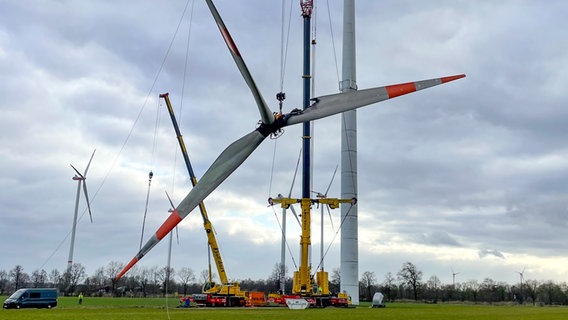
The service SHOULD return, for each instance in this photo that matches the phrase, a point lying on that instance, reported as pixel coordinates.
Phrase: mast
(305, 282)
(349, 266)
(306, 14)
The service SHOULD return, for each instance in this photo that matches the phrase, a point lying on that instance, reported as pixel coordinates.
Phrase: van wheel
(49, 306)
(18, 306)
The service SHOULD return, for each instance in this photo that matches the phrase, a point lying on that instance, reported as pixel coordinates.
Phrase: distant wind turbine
(521, 287)
(81, 180)
(454, 274)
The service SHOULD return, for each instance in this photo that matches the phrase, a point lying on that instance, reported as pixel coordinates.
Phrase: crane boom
(212, 241)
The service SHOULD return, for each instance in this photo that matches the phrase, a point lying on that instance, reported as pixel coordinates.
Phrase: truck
(32, 298)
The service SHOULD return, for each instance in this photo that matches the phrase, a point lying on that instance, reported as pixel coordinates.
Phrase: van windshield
(17, 294)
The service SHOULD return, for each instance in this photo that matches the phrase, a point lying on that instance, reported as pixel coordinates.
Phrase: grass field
(146, 309)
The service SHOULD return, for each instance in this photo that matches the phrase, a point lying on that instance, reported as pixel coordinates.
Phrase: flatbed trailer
(212, 300)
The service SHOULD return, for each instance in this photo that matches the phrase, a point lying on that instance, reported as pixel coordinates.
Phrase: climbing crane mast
(316, 291)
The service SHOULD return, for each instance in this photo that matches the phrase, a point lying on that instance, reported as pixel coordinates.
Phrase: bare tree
(411, 276)
(170, 281)
(39, 278)
(73, 275)
(553, 293)
(55, 278)
(368, 281)
(154, 274)
(493, 291)
(186, 276)
(434, 284)
(19, 277)
(471, 288)
(530, 289)
(335, 280)
(276, 276)
(98, 280)
(112, 270)
(389, 286)
(164, 276)
(3, 282)
(204, 276)
(144, 279)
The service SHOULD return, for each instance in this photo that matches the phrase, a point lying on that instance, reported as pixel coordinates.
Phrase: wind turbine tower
(349, 254)
(81, 181)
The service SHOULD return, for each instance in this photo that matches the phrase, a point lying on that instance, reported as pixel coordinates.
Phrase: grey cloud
(490, 252)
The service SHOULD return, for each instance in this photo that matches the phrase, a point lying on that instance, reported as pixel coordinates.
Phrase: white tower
(349, 267)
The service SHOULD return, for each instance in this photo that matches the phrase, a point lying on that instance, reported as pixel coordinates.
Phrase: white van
(32, 298)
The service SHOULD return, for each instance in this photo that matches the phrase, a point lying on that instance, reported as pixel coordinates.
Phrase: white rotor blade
(77, 171)
(88, 164)
(266, 114)
(330, 218)
(173, 207)
(295, 173)
(170, 200)
(330, 182)
(295, 215)
(87, 198)
(229, 160)
(336, 103)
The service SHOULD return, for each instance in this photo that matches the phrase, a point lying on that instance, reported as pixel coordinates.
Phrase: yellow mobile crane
(315, 291)
(213, 294)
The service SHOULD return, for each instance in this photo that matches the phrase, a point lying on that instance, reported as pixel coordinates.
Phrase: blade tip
(128, 267)
(452, 78)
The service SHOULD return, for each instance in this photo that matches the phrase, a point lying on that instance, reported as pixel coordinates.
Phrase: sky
(470, 177)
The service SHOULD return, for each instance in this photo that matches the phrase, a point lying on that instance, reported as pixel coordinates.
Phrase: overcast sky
(471, 176)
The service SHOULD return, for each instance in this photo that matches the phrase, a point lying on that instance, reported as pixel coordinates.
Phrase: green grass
(146, 309)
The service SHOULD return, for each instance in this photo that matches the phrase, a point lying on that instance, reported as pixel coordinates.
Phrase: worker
(80, 298)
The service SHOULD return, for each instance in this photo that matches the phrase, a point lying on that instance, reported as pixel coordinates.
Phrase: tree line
(406, 284)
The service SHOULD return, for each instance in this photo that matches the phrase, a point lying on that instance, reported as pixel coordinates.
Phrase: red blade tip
(130, 264)
(452, 78)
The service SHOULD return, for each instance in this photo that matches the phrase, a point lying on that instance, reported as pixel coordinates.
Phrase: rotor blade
(336, 103)
(88, 164)
(173, 206)
(229, 160)
(77, 171)
(265, 113)
(170, 200)
(332, 177)
(295, 215)
(177, 235)
(330, 219)
(295, 173)
(87, 198)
